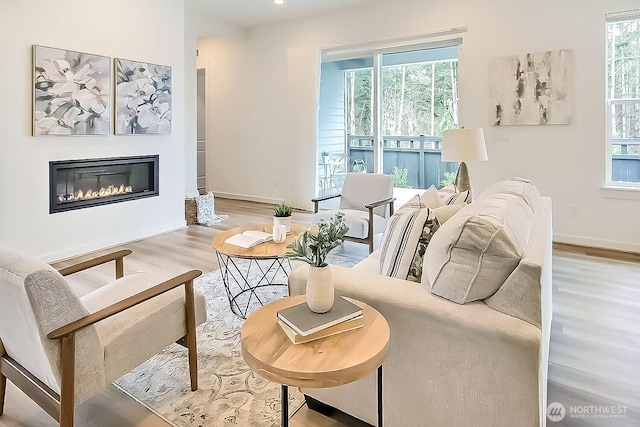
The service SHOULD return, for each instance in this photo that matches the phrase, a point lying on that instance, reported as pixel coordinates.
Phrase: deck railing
(421, 156)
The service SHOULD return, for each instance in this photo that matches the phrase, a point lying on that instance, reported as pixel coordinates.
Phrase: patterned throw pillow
(206, 213)
(431, 225)
(450, 196)
(400, 238)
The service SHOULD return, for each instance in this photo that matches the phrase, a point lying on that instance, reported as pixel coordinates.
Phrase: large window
(418, 98)
(623, 99)
(385, 113)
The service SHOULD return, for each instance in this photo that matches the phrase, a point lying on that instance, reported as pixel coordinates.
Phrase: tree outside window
(623, 100)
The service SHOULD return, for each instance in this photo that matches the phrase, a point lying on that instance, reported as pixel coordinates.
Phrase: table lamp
(463, 145)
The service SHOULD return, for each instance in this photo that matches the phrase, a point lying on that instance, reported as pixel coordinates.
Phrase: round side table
(327, 362)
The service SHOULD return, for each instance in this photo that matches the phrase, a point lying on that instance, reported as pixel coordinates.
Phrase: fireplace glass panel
(77, 184)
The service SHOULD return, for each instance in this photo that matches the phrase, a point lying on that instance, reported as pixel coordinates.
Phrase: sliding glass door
(386, 112)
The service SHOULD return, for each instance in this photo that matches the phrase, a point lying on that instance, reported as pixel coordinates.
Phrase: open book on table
(249, 238)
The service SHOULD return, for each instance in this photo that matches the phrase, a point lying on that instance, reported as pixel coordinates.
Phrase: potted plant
(282, 215)
(325, 156)
(312, 246)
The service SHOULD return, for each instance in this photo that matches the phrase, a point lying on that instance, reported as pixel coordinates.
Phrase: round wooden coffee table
(244, 270)
(327, 362)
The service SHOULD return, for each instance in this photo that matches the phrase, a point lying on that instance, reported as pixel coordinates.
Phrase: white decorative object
(282, 220)
(320, 289)
(279, 233)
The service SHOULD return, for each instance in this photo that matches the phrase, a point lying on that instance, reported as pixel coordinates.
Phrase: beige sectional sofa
(469, 344)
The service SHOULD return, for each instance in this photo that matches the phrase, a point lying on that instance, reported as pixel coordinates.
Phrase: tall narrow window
(623, 98)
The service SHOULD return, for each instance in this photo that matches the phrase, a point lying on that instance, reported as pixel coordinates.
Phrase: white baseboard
(113, 242)
(596, 243)
(248, 198)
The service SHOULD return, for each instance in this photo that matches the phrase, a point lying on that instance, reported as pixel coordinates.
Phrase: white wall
(137, 30)
(255, 143)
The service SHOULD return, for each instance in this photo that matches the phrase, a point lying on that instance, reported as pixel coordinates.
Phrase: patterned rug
(229, 393)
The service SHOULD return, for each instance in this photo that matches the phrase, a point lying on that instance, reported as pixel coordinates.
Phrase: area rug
(229, 393)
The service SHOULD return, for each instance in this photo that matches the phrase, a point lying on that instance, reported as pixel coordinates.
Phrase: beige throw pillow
(474, 252)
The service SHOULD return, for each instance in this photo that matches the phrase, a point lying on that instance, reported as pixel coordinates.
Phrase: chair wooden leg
(67, 380)
(3, 389)
(191, 334)
(370, 230)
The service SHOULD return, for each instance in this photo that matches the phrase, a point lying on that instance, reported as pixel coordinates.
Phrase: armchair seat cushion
(152, 325)
(357, 221)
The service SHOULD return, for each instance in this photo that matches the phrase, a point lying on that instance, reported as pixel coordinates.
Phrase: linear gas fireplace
(77, 184)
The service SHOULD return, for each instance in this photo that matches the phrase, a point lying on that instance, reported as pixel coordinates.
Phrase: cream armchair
(60, 349)
(364, 200)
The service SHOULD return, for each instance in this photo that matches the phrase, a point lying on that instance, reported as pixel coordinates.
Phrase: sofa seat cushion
(475, 251)
(357, 221)
(153, 324)
(370, 264)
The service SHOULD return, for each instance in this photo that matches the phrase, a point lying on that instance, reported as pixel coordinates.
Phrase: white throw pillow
(400, 238)
(443, 213)
(430, 198)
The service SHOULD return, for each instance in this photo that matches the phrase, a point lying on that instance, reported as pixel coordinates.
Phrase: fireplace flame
(111, 190)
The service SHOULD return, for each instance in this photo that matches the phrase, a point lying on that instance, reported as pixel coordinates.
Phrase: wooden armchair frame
(370, 207)
(61, 407)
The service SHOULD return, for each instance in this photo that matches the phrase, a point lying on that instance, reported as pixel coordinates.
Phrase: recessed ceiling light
(278, 1)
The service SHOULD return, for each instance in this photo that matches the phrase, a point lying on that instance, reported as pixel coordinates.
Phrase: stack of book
(302, 325)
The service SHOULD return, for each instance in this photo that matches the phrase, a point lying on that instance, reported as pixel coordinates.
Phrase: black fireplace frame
(54, 166)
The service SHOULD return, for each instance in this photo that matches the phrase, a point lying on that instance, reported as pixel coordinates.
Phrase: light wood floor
(595, 340)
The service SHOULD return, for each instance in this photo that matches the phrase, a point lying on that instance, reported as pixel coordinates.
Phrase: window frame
(611, 102)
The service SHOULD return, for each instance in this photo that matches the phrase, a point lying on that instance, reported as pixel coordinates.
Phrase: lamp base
(462, 179)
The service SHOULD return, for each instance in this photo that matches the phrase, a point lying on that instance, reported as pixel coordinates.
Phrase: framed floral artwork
(71, 92)
(143, 98)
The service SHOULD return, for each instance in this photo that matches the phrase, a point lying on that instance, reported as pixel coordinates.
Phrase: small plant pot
(283, 220)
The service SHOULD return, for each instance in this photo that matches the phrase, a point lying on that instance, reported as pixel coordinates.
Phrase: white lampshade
(463, 145)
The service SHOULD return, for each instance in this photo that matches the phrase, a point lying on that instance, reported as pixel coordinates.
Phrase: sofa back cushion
(516, 186)
(474, 252)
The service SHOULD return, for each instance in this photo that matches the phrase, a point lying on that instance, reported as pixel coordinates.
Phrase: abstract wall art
(532, 88)
(71, 92)
(143, 98)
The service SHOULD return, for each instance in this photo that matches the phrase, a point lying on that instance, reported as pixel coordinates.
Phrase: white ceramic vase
(320, 289)
(283, 220)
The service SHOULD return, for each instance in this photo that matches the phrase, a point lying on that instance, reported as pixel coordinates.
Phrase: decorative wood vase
(283, 220)
(320, 289)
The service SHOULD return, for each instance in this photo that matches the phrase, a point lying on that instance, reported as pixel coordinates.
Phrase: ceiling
(251, 13)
